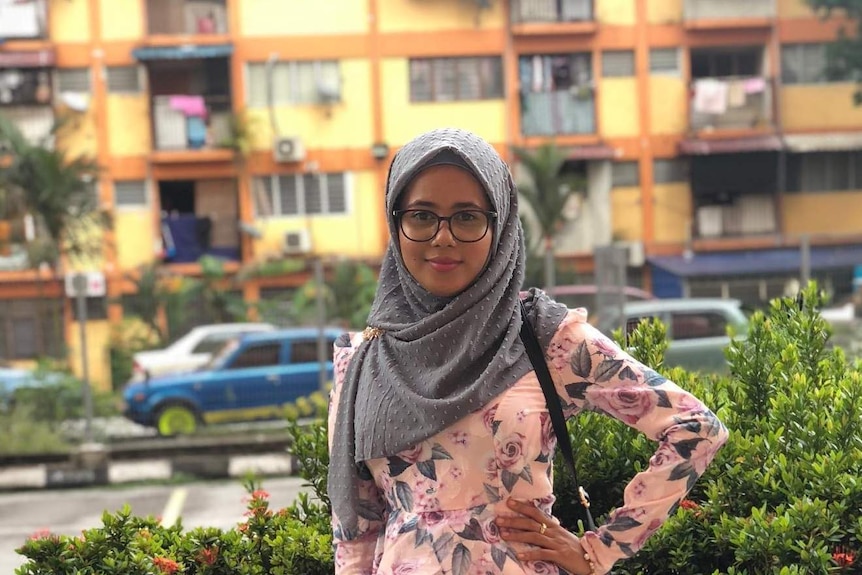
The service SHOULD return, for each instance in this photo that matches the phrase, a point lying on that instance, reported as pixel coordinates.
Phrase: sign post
(80, 286)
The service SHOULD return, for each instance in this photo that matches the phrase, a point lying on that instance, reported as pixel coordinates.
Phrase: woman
(440, 439)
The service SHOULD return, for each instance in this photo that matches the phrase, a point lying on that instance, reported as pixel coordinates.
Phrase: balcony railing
(183, 122)
(557, 113)
(186, 17)
(534, 11)
(731, 103)
(35, 122)
(746, 216)
(728, 9)
(23, 20)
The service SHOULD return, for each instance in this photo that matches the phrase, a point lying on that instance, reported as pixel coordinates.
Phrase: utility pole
(322, 352)
(79, 283)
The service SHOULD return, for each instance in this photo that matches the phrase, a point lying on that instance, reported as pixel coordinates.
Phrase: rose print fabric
(431, 509)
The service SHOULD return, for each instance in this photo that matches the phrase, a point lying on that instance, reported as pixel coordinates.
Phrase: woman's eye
(465, 217)
(422, 216)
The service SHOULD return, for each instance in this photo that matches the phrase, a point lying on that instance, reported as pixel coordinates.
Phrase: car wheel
(176, 419)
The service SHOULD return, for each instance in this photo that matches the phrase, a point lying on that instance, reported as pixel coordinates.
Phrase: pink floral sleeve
(356, 553)
(591, 372)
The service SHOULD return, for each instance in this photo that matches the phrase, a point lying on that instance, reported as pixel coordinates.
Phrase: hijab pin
(370, 333)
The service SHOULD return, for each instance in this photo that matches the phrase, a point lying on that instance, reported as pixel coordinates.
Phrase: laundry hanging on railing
(710, 96)
(189, 106)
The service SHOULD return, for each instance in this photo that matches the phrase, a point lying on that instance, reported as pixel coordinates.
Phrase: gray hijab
(438, 359)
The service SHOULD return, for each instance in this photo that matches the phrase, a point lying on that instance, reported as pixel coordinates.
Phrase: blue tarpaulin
(184, 52)
(758, 262)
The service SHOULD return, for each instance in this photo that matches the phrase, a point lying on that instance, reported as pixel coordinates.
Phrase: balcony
(714, 14)
(188, 122)
(731, 103)
(187, 17)
(557, 113)
(742, 216)
(23, 20)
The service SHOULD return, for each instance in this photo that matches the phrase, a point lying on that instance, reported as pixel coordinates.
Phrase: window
(311, 82)
(304, 351)
(664, 61)
(695, 325)
(25, 86)
(808, 64)
(73, 80)
(727, 63)
(624, 175)
(824, 171)
(257, 356)
(670, 171)
(301, 194)
(213, 342)
(124, 80)
(618, 64)
(31, 328)
(450, 79)
(131, 193)
(25, 339)
(97, 308)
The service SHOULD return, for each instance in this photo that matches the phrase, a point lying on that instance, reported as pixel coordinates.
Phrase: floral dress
(431, 509)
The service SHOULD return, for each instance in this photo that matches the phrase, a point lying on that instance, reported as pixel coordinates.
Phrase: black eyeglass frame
(492, 216)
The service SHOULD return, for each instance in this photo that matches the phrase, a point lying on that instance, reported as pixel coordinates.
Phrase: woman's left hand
(552, 542)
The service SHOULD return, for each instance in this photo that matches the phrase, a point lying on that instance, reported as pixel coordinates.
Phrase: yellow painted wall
(129, 132)
(404, 120)
(822, 213)
(618, 12)
(355, 234)
(423, 16)
(69, 20)
(626, 214)
(794, 9)
(136, 237)
(667, 105)
(672, 212)
(98, 360)
(664, 11)
(347, 124)
(280, 18)
(78, 136)
(122, 19)
(819, 107)
(619, 109)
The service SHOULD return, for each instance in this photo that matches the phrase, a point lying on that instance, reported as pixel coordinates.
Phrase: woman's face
(444, 265)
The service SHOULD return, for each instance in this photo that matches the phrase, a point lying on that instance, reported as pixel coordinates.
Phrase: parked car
(192, 350)
(586, 296)
(696, 327)
(251, 377)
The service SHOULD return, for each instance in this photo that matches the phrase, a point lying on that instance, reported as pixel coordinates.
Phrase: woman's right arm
(355, 553)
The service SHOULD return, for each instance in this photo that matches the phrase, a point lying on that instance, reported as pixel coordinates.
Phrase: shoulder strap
(555, 409)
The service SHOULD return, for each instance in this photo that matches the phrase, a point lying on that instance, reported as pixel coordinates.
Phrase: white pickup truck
(191, 351)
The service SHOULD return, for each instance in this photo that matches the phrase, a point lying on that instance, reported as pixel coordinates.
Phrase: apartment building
(708, 133)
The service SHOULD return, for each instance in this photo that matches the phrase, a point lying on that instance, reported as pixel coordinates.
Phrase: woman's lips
(443, 264)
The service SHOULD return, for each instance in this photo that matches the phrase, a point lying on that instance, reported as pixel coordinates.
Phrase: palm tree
(57, 192)
(548, 191)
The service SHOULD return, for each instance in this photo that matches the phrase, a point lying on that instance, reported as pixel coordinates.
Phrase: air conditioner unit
(297, 242)
(288, 150)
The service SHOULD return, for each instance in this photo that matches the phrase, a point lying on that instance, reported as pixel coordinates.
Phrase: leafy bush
(784, 495)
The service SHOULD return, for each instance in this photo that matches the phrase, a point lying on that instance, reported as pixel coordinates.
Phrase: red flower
(168, 566)
(208, 556)
(260, 494)
(688, 504)
(843, 558)
(44, 533)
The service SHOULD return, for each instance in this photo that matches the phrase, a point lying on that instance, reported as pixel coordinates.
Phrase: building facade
(711, 138)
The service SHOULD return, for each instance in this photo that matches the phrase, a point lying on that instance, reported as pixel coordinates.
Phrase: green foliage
(58, 191)
(784, 494)
(348, 294)
(845, 54)
(266, 543)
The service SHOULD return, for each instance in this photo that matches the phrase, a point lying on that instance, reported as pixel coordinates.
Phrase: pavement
(90, 464)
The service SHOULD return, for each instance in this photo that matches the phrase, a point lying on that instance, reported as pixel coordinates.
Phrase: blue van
(252, 377)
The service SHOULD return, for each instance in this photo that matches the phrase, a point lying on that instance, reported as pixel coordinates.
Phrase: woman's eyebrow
(429, 204)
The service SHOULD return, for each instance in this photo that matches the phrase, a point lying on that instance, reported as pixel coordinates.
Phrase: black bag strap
(555, 409)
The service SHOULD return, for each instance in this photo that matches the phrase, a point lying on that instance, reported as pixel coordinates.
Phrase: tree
(58, 192)
(845, 55)
(548, 192)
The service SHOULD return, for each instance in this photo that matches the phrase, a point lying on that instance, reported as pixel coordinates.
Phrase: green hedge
(783, 496)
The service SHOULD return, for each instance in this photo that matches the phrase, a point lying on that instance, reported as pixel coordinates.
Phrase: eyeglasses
(466, 226)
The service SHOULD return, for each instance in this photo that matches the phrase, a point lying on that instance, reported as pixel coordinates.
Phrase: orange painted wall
(823, 213)
(820, 107)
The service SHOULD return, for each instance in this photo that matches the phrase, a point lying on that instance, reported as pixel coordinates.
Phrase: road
(68, 512)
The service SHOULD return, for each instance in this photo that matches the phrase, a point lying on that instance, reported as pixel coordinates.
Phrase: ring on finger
(542, 528)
